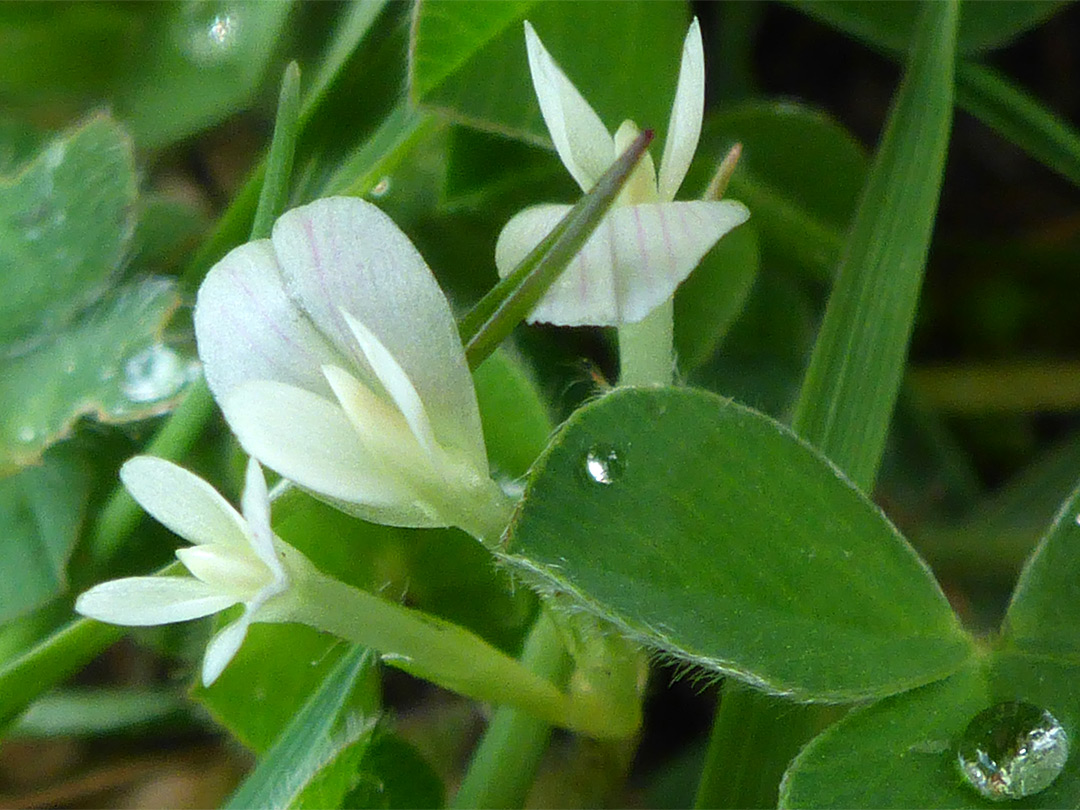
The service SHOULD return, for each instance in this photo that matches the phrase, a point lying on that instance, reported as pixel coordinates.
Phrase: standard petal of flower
(395, 381)
(237, 572)
(248, 329)
(684, 127)
(145, 601)
(182, 501)
(583, 143)
(310, 441)
(342, 253)
(223, 646)
(255, 505)
(632, 263)
(585, 291)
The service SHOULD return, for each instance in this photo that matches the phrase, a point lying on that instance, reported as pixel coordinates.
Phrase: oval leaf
(719, 538)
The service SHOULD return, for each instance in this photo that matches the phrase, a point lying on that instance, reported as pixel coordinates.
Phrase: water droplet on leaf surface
(1012, 750)
(210, 32)
(154, 373)
(603, 464)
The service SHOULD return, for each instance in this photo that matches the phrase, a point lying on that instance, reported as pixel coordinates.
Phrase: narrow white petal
(585, 291)
(183, 502)
(583, 143)
(145, 601)
(237, 572)
(342, 253)
(382, 430)
(248, 329)
(395, 381)
(223, 646)
(311, 441)
(256, 509)
(684, 127)
(632, 263)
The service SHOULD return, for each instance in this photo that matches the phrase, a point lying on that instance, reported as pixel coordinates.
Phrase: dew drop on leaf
(603, 464)
(154, 373)
(1012, 750)
(210, 33)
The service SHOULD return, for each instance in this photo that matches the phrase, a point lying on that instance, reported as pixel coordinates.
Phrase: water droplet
(27, 434)
(154, 373)
(1078, 520)
(210, 33)
(382, 188)
(603, 464)
(396, 658)
(1012, 750)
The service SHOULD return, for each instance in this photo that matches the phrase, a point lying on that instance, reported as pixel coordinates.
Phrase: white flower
(233, 559)
(647, 244)
(336, 360)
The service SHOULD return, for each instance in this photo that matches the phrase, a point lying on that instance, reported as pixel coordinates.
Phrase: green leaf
(850, 388)
(109, 365)
(168, 230)
(724, 541)
(94, 712)
(50, 661)
(892, 25)
(902, 751)
(278, 668)
(709, 301)
(394, 776)
(467, 60)
(41, 514)
(65, 221)
(313, 763)
(1017, 116)
(202, 62)
(800, 173)
(515, 418)
(279, 160)
(52, 51)
(1044, 614)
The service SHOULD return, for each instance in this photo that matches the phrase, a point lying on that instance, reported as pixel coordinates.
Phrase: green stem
(746, 758)
(647, 348)
(504, 765)
(432, 648)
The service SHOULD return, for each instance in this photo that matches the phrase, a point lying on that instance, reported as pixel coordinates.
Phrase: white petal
(248, 329)
(584, 293)
(382, 429)
(394, 380)
(237, 572)
(583, 143)
(342, 253)
(183, 502)
(145, 601)
(632, 263)
(256, 509)
(310, 441)
(223, 646)
(684, 127)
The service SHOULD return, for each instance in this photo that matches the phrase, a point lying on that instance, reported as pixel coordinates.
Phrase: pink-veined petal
(146, 601)
(580, 137)
(585, 291)
(344, 254)
(183, 502)
(632, 262)
(310, 441)
(684, 126)
(223, 647)
(248, 329)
